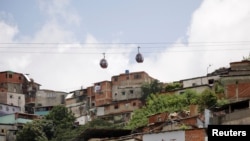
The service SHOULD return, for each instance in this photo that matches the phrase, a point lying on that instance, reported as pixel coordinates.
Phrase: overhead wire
(150, 47)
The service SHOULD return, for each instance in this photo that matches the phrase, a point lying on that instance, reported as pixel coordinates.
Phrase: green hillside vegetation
(158, 103)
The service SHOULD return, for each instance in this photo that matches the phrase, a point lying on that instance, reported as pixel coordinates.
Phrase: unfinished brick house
(237, 82)
(128, 85)
(18, 83)
(119, 111)
(103, 93)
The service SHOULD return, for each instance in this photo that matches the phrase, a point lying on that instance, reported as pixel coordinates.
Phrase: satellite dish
(103, 62)
(139, 57)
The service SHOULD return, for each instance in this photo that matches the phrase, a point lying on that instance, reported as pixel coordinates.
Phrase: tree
(61, 116)
(32, 131)
(63, 122)
(191, 97)
(208, 99)
(150, 88)
(172, 86)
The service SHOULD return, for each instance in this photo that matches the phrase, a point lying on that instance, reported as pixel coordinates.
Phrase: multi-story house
(77, 102)
(237, 82)
(49, 97)
(124, 97)
(11, 123)
(128, 85)
(119, 112)
(12, 82)
(15, 85)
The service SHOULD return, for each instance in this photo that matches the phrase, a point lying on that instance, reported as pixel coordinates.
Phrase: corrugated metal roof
(70, 95)
(27, 77)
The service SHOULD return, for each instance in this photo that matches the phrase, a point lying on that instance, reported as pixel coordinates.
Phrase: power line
(151, 47)
(125, 43)
(144, 52)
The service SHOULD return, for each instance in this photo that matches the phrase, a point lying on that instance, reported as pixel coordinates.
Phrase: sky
(59, 43)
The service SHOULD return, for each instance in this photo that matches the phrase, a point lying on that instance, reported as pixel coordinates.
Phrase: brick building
(103, 93)
(128, 85)
(237, 82)
(18, 83)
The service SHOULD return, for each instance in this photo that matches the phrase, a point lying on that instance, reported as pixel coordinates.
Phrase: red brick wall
(155, 118)
(90, 91)
(16, 77)
(190, 121)
(123, 106)
(105, 95)
(243, 90)
(195, 134)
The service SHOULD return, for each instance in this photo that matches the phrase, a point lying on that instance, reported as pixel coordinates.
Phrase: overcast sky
(60, 43)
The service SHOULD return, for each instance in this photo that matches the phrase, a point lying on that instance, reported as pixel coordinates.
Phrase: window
(115, 78)
(134, 103)
(10, 75)
(1, 107)
(127, 77)
(7, 108)
(123, 93)
(194, 84)
(13, 109)
(116, 106)
(20, 78)
(211, 81)
(19, 97)
(11, 96)
(97, 88)
(131, 91)
(62, 99)
(137, 76)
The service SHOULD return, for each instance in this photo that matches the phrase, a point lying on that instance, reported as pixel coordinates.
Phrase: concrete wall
(198, 134)
(15, 99)
(7, 132)
(78, 109)
(198, 89)
(165, 136)
(122, 106)
(8, 109)
(236, 117)
(198, 81)
(49, 98)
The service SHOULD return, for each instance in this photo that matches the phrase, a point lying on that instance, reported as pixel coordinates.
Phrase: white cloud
(60, 9)
(221, 26)
(8, 32)
(72, 65)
